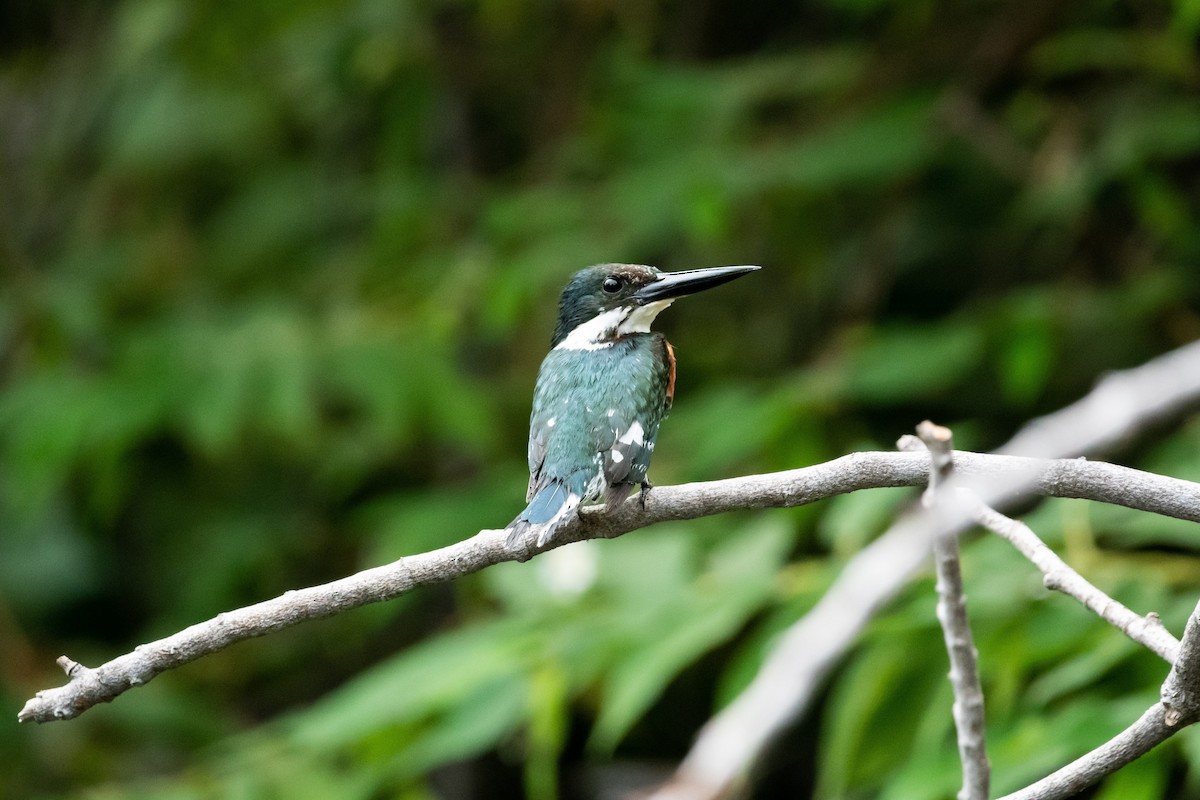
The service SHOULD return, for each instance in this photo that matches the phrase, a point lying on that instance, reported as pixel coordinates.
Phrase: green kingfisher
(602, 391)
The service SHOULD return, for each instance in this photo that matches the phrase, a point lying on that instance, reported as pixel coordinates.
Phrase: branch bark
(1117, 410)
(732, 741)
(1180, 707)
(1120, 405)
(968, 707)
(1131, 744)
(88, 687)
(1147, 630)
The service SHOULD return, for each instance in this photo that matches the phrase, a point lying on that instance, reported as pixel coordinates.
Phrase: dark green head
(609, 300)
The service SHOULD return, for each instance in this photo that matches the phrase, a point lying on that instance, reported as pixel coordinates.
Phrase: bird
(602, 391)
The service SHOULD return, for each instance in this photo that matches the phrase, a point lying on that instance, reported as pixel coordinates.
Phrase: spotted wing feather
(627, 433)
(539, 436)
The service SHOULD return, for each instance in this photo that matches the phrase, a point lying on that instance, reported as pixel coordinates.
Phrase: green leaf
(439, 675)
(906, 363)
(721, 601)
(474, 724)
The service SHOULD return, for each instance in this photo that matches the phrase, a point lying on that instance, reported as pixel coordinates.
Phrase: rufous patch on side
(670, 373)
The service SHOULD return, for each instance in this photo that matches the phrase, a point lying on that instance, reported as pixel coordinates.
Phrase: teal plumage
(596, 415)
(602, 392)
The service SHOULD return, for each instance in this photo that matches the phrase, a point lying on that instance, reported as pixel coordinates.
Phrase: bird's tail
(549, 509)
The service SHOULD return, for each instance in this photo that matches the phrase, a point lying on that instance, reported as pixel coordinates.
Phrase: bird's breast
(634, 377)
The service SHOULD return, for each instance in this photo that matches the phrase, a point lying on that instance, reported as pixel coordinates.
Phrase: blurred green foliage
(275, 279)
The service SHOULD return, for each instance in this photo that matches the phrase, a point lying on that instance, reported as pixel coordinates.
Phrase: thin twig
(1119, 406)
(1117, 410)
(968, 707)
(940, 444)
(1181, 690)
(1129, 745)
(1180, 707)
(1145, 630)
(800, 660)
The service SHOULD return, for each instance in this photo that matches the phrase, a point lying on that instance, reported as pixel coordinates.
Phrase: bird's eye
(612, 284)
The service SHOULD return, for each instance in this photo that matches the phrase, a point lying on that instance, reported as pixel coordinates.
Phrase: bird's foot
(646, 487)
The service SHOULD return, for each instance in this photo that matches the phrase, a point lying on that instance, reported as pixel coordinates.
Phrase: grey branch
(1131, 744)
(940, 444)
(956, 628)
(1146, 630)
(1117, 410)
(1120, 405)
(783, 688)
(799, 662)
(1181, 690)
(869, 586)
(1179, 708)
(731, 742)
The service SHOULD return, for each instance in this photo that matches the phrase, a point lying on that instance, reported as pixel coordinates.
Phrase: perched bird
(602, 391)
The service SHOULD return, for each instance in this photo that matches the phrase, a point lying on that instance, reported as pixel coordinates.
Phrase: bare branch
(1131, 744)
(956, 628)
(1145, 630)
(1179, 708)
(1161, 391)
(1097, 481)
(799, 662)
(1121, 404)
(1181, 690)
(940, 444)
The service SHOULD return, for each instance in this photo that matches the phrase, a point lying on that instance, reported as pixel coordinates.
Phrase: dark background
(276, 277)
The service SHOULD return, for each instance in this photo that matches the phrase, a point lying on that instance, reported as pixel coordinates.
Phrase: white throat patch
(602, 329)
(639, 320)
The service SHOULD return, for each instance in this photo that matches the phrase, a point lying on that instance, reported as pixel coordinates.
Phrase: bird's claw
(646, 487)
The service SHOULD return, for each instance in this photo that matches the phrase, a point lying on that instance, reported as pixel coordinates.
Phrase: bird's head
(606, 301)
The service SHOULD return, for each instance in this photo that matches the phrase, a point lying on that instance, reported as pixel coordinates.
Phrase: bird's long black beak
(679, 284)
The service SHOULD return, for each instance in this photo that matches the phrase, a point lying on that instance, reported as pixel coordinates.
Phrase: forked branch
(1121, 406)
(1179, 707)
(1098, 481)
